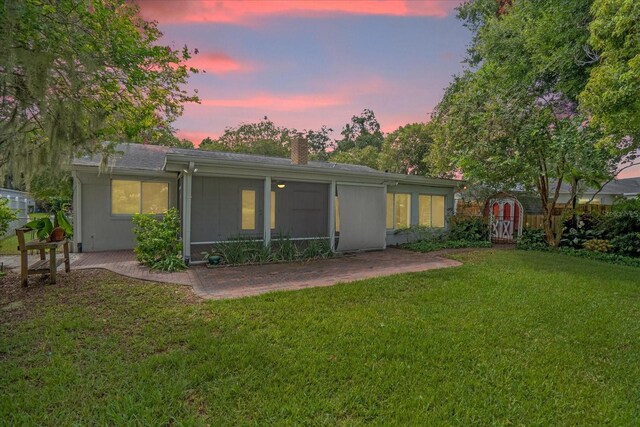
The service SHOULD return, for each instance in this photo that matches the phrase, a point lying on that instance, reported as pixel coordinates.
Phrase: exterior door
(505, 220)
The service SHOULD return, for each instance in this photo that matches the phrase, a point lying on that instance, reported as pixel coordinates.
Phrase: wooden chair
(43, 266)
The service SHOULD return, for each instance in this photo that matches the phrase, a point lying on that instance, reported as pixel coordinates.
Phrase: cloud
(275, 102)
(242, 12)
(219, 63)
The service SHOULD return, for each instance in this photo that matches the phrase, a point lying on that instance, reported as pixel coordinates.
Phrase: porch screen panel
(362, 217)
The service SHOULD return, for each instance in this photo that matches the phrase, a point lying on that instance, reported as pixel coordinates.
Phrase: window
(437, 211)
(424, 210)
(431, 210)
(273, 210)
(402, 210)
(248, 210)
(585, 200)
(389, 211)
(130, 197)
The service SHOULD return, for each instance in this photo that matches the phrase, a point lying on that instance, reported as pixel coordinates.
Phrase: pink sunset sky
(309, 63)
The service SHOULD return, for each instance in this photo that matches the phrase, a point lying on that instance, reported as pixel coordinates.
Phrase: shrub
(427, 246)
(421, 232)
(578, 229)
(468, 229)
(6, 216)
(532, 239)
(604, 257)
(598, 245)
(158, 243)
(317, 248)
(243, 250)
(285, 249)
(627, 244)
(626, 205)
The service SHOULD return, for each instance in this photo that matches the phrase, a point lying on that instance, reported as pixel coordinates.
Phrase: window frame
(140, 182)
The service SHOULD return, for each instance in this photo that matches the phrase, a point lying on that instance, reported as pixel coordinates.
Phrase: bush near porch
(508, 338)
(158, 243)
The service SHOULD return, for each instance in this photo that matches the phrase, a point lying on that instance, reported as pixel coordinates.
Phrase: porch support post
(332, 215)
(186, 213)
(266, 237)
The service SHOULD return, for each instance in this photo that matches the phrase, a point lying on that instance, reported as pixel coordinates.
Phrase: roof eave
(384, 176)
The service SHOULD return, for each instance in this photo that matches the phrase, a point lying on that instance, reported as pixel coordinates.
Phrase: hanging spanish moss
(75, 73)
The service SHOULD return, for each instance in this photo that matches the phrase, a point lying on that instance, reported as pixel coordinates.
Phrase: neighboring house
(22, 203)
(615, 189)
(221, 196)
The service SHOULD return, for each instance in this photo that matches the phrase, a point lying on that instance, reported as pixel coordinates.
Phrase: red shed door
(506, 220)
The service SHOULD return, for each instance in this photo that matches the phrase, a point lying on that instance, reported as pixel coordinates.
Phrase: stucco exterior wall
(416, 191)
(102, 231)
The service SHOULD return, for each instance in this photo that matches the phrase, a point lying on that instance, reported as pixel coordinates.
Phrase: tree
(511, 120)
(366, 156)
(74, 73)
(363, 131)
(165, 136)
(319, 142)
(263, 137)
(612, 94)
(405, 149)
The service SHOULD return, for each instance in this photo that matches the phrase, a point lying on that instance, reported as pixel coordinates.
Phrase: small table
(44, 266)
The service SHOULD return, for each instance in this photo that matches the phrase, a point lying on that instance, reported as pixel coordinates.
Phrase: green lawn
(9, 246)
(510, 337)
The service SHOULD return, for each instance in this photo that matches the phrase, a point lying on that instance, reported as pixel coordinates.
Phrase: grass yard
(511, 337)
(9, 245)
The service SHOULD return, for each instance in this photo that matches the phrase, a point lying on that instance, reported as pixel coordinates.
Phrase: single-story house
(615, 189)
(222, 196)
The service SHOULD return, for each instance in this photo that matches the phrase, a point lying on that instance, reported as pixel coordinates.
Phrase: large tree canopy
(405, 149)
(511, 119)
(612, 95)
(74, 73)
(268, 139)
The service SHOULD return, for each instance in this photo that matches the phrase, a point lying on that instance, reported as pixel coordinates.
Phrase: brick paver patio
(241, 281)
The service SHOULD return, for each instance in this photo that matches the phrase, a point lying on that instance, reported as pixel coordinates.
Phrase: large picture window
(130, 197)
(248, 209)
(431, 210)
(398, 210)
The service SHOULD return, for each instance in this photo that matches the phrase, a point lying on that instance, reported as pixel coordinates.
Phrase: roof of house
(614, 187)
(146, 157)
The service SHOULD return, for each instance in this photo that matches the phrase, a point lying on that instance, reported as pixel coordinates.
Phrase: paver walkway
(241, 281)
(235, 282)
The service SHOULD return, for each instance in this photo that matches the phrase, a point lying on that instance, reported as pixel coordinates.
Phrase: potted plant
(212, 258)
(55, 231)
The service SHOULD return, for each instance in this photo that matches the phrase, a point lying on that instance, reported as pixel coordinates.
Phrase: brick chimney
(299, 150)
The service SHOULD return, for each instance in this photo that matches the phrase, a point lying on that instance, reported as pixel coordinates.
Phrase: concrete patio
(241, 281)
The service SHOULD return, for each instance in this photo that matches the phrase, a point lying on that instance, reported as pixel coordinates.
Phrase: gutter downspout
(77, 212)
(332, 216)
(186, 213)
